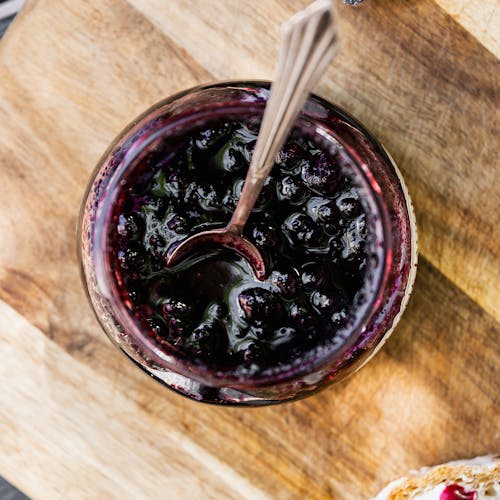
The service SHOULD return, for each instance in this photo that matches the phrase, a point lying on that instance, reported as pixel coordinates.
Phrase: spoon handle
(308, 43)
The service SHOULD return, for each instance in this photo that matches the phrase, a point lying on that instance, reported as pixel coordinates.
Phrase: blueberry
(301, 229)
(157, 244)
(231, 159)
(248, 149)
(244, 140)
(254, 353)
(313, 275)
(323, 210)
(194, 215)
(161, 209)
(257, 332)
(323, 302)
(259, 305)
(234, 160)
(177, 327)
(190, 195)
(350, 243)
(348, 204)
(208, 198)
(237, 150)
(205, 139)
(290, 189)
(229, 202)
(266, 195)
(157, 326)
(130, 225)
(326, 301)
(172, 307)
(169, 183)
(339, 318)
(216, 310)
(300, 315)
(208, 341)
(173, 313)
(177, 223)
(290, 158)
(209, 138)
(264, 235)
(238, 188)
(321, 175)
(286, 281)
(131, 258)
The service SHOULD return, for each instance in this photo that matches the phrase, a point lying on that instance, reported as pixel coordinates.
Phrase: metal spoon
(308, 43)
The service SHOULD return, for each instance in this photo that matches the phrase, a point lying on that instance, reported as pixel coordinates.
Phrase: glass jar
(392, 277)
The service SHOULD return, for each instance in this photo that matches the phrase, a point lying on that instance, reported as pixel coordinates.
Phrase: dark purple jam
(457, 492)
(310, 224)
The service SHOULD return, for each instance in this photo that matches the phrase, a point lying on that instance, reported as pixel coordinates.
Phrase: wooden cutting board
(77, 420)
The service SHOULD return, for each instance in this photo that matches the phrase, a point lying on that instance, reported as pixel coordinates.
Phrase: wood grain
(78, 420)
(481, 18)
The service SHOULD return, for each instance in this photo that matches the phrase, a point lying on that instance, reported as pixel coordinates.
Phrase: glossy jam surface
(310, 223)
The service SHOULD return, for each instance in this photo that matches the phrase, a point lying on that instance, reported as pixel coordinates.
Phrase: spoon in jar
(308, 43)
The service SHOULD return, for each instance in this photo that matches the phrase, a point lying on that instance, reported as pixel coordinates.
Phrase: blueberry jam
(311, 224)
(334, 225)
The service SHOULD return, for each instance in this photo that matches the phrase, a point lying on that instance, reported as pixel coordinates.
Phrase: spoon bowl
(220, 238)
